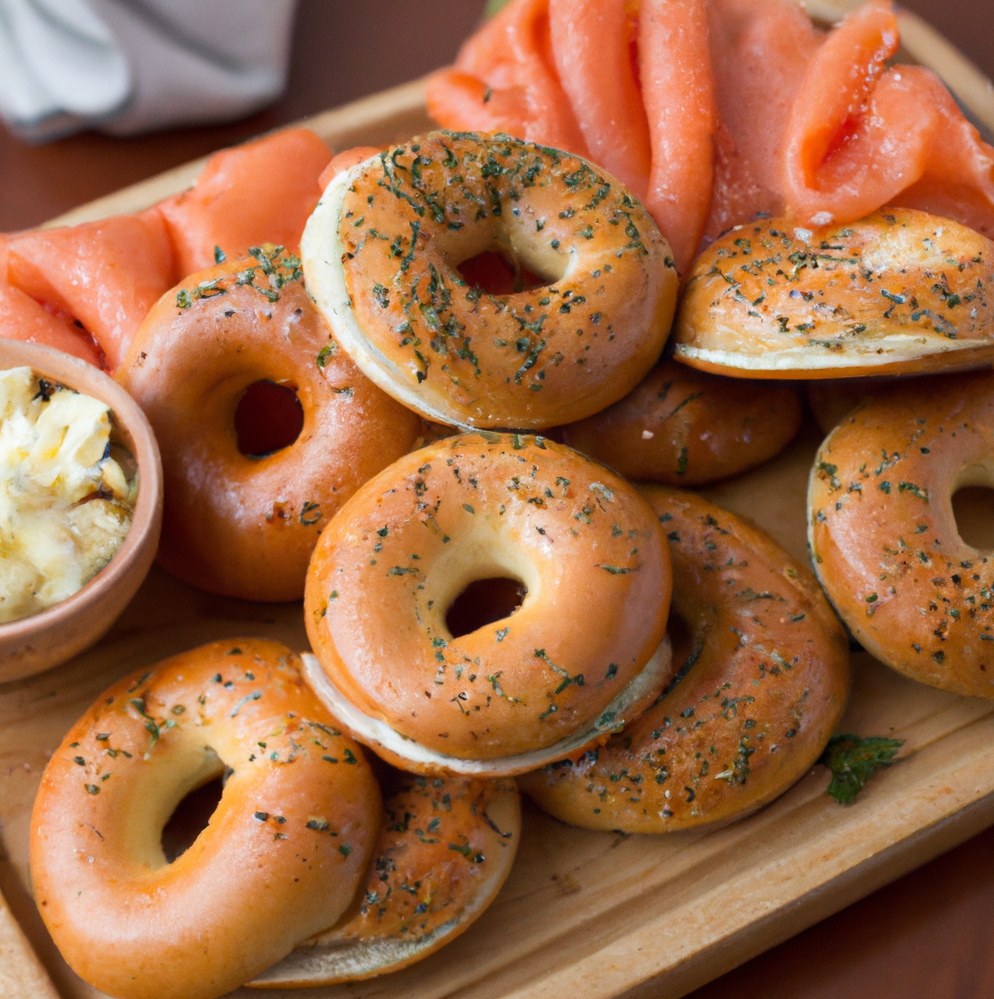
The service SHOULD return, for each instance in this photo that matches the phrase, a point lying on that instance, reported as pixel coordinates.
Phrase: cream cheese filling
(882, 351)
(376, 732)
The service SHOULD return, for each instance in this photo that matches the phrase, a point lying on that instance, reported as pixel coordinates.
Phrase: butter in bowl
(80, 505)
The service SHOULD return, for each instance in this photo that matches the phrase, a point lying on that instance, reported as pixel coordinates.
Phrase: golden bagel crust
(233, 524)
(899, 292)
(478, 506)
(683, 427)
(883, 534)
(281, 859)
(764, 680)
(445, 848)
(381, 253)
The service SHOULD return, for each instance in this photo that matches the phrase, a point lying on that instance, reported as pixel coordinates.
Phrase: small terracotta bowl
(42, 640)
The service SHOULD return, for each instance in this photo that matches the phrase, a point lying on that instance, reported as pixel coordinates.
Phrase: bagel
(238, 524)
(582, 651)
(284, 853)
(833, 399)
(444, 850)
(381, 253)
(883, 534)
(899, 292)
(682, 427)
(763, 681)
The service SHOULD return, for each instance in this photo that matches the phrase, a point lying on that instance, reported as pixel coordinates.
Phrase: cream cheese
(65, 502)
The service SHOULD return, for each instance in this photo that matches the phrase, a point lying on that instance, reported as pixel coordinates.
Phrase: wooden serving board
(594, 914)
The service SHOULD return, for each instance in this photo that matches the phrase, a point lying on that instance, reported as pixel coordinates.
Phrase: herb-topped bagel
(445, 848)
(897, 292)
(762, 680)
(883, 534)
(381, 255)
(512, 687)
(245, 524)
(284, 853)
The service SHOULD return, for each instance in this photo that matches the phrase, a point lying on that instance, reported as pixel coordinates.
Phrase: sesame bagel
(580, 653)
(381, 254)
(763, 680)
(683, 427)
(284, 853)
(899, 292)
(445, 848)
(240, 524)
(883, 534)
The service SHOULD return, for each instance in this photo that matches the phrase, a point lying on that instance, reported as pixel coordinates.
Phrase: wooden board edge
(856, 883)
(133, 198)
(945, 792)
(358, 118)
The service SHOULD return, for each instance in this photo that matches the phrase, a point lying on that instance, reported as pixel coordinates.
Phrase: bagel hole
(483, 602)
(495, 274)
(268, 418)
(190, 818)
(681, 640)
(973, 508)
(686, 648)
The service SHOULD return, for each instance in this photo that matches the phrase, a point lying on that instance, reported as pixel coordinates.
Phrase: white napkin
(130, 66)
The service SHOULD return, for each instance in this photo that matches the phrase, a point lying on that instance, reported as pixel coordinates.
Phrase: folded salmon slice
(104, 274)
(861, 136)
(958, 179)
(261, 192)
(677, 88)
(464, 103)
(593, 45)
(505, 79)
(760, 51)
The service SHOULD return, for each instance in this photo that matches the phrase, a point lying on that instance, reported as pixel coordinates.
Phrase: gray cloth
(131, 66)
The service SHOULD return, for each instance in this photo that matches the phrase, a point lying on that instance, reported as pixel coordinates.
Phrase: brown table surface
(929, 935)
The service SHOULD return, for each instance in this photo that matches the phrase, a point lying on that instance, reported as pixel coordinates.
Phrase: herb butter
(65, 501)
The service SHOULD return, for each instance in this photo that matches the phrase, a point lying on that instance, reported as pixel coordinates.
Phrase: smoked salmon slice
(464, 103)
(836, 164)
(104, 274)
(748, 110)
(593, 42)
(958, 180)
(760, 51)
(22, 318)
(861, 136)
(505, 79)
(677, 88)
(261, 192)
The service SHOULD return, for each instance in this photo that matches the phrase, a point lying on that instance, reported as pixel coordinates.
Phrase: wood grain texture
(596, 914)
(21, 973)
